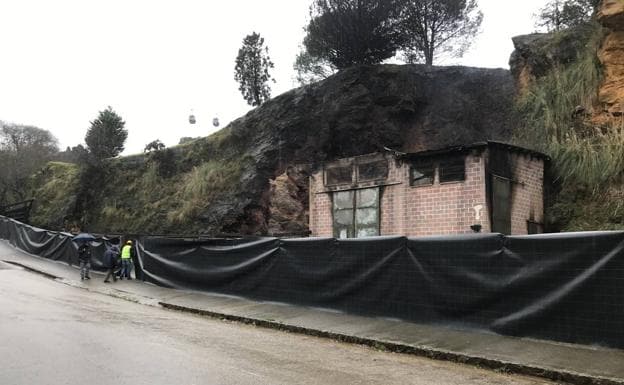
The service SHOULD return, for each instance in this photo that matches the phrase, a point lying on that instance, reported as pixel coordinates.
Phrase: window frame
(451, 162)
(336, 167)
(360, 179)
(417, 166)
(352, 229)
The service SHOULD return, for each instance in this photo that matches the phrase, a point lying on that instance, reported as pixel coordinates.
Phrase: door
(501, 205)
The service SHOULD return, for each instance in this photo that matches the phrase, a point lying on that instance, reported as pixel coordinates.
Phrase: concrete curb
(112, 292)
(423, 351)
(41, 272)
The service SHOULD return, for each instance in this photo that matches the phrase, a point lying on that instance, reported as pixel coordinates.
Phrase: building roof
(474, 146)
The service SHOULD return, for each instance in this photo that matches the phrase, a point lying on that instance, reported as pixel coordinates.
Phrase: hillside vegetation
(561, 115)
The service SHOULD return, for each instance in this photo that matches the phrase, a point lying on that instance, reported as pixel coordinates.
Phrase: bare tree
(432, 26)
(312, 69)
(23, 149)
(560, 14)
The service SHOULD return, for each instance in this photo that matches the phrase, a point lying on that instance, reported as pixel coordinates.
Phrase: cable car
(192, 118)
(215, 122)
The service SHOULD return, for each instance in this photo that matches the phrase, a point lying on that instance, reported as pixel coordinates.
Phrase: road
(52, 333)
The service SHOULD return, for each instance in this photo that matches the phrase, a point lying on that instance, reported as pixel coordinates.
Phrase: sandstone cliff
(538, 54)
(611, 55)
(571, 106)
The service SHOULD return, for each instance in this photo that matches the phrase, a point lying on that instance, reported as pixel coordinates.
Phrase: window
(356, 213)
(372, 170)
(422, 174)
(339, 175)
(343, 214)
(452, 170)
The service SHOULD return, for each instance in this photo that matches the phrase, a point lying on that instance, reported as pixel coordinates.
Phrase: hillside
(563, 96)
(571, 106)
(250, 177)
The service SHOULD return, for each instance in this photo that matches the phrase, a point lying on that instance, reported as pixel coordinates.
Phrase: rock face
(289, 203)
(611, 55)
(536, 54)
(358, 111)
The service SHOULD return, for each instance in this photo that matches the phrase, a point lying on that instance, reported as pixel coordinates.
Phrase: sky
(155, 62)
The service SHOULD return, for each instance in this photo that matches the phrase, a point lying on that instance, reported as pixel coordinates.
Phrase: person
(110, 262)
(126, 260)
(84, 256)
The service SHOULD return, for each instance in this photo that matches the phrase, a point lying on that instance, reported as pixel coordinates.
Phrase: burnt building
(482, 187)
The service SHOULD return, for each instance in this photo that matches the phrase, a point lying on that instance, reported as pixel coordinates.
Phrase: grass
(55, 189)
(587, 159)
(581, 152)
(203, 185)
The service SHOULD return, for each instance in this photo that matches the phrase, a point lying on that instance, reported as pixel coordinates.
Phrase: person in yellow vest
(126, 260)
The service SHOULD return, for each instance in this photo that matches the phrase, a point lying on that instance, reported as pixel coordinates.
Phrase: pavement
(560, 362)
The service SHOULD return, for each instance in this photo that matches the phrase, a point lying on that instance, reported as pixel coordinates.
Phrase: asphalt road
(51, 333)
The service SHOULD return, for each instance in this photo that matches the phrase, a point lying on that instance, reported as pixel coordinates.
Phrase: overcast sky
(63, 61)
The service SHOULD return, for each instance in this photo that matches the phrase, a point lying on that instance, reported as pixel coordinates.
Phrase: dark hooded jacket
(110, 257)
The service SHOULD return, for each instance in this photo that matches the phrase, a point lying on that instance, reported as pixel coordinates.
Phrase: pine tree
(345, 33)
(252, 70)
(107, 135)
(432, 26)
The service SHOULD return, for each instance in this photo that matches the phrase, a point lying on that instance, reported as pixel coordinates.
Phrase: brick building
(487, 187)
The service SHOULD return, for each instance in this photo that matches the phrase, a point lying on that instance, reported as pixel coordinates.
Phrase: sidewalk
(576, 364)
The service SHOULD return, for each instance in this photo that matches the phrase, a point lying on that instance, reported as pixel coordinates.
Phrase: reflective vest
(125, 252)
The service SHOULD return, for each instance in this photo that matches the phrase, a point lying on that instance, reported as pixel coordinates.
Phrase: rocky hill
(251, 177)
(571, 106)
(563, 96)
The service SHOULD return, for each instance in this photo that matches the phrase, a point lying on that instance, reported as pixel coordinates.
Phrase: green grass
(587, 160)
(55, 188)
(203, 185)
(581, 152)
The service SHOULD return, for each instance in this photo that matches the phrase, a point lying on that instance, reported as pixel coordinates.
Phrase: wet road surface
(51, 333)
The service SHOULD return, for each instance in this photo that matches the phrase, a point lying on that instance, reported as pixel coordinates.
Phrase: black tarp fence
(566, 287)
(54, 245)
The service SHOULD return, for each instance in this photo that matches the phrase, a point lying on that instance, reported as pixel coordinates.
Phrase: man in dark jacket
(84, 257)
(110, 262)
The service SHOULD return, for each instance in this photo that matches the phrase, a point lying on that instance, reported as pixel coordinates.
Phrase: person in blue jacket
(110, 262)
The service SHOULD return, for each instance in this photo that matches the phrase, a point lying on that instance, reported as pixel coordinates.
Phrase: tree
(74, 154)
(154, 145)
(431, 26)
(252, 70)
(311, 69)
(23, 150)
(350, 32)
(560, 14)
(187, 139)
(107, 135)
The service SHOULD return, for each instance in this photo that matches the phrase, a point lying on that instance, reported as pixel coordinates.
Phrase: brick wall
(320, 208)
(437, 209)
(527, 194)
(447, 208)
